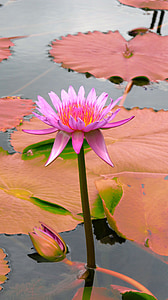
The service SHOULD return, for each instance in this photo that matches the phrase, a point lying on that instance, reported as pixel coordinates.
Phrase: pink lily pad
(142, 212)
(12, 111)
(4, 267)
(31, 192)
(138, 146)
(150, 4)
(108, 54)
(5, 44)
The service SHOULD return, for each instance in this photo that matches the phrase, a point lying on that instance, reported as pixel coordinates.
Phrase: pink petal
(91, 126)
(77, 140)
(116, 101)
(56, 101)
(81, 95)
(80, 124)
(115, 124)
(44, 107)
(107, 109)
(64, 127)
(49, 119)
(41, 118)
(65, 97)
(101, 100)
(60, 143)
(110, 118)
(95, 125)
(72, 93)
(91, 98)
(96, 141)
(43, 131)
(72, 123)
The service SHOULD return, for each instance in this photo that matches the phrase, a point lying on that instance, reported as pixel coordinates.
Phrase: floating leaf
(31, 192)
(137, 296)
(139, 146)
(4, 267)
(130, 294)
(150, 4)
(142, 212)
(5, 44)
(108, 54)
(12, 111)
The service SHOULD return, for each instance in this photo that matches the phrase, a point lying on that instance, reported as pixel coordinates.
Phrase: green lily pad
(137, 296)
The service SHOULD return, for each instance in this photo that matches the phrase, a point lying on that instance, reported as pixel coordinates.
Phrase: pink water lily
(78, 117)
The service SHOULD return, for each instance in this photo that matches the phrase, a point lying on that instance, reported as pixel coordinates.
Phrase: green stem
(86, 211)
(87, 291)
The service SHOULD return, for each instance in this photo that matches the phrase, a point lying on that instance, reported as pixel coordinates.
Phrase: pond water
(30, 71)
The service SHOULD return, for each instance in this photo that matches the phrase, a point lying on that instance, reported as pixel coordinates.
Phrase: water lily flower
(48, 243)
(78, 117)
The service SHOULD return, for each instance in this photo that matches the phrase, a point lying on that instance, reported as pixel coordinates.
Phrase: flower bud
(48, 243)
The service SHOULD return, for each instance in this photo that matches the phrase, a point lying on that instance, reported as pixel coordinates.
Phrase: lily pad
(108, 54)
(13, 109)
(150, 4)
(142, 212)
(31, 192)
(138, 146)
(5, 44)
(137, 296)
(4, 267)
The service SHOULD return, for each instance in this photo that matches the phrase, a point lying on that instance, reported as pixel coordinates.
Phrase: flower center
(87, 113)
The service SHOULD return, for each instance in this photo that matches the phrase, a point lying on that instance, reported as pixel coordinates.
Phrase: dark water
(31, 280)
(29, 72)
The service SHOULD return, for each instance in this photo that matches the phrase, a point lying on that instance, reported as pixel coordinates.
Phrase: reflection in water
(87, 291)
(160, 20)
(105, 234)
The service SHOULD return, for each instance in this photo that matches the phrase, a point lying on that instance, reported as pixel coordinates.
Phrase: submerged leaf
(108, 54)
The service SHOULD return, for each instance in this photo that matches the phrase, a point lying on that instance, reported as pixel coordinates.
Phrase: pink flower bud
(48, 243)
